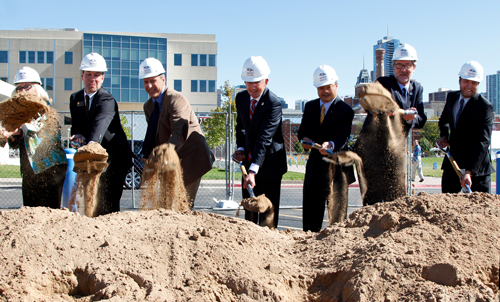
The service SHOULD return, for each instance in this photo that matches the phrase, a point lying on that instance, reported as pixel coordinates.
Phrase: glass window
(194, 60)
(178, 85)
(134, 45)
(68, 57)
(134, 95)
(126, 54)
(68, 84)
(125, 95)
(40, 57)
(153, 53)
(203, 86)
(97, 43)
(177, 60)
(211, 86)
(203, 60)
(115, 44)
(125, 39)
(87, 50)
(162, 47)
(211, 60)
(49, 84)
(106, 38)
(144, 45)
(125, 82)
(162, 41)
(162, 55)
(143, 54)
(134, 55)
(87, 43)
(153, 42)
(50, 57)
(97, 49)
(22, 56)
(3, 79)
(31, 56)
(143, 40)
(194, 86)
(134, 39)
(106, 53)
(144, 96)
(115, 54)
(115, 81)
(115, 64)
(134, 82)
(106, 44)
(134, 66)
(125, 71)
(106, 83)
(125, 45)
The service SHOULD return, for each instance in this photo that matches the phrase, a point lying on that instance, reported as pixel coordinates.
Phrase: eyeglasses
(400, 66)
(24, 88)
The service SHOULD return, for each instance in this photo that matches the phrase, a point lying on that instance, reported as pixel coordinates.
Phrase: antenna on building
(363, 61)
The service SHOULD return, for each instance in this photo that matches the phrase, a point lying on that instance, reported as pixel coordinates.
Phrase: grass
(10, 171)
(428, 164)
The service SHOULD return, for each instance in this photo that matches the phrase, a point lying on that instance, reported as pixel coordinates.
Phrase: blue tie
(404, 94)
(459, 111)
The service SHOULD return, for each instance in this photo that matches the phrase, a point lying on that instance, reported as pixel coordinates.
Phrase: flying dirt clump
(162, 177)
(22, 108)
(90, 161)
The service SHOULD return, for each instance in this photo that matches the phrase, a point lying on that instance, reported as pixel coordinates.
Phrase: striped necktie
(252, 108)
(322, 116)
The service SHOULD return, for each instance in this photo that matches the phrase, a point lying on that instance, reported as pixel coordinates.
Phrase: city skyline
(300, 37)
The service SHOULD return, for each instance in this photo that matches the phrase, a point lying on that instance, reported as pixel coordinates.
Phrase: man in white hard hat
(327, 121)
(259, 137)
(465, 125)
(95, 118)
(171, 120)
(406, 92)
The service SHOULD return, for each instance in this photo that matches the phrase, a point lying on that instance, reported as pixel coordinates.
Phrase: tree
(124, 121)
(214, 127)
(297, 146)
(430, 134)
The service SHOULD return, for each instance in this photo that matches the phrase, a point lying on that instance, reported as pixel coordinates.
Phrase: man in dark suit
(95, 118)
(259, 137)
(406, 92)
(326, 121)
(465, 125)
(171, 120)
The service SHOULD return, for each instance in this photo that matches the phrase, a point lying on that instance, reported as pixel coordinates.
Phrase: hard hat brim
(28, 81)
(93, 69)
(254, 79)
(151, 75)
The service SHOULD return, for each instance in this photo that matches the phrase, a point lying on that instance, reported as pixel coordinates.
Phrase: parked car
(134, 176)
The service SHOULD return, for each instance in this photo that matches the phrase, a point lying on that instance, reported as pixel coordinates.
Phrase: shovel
(316, 146)
(375, 98)
(259, 204)
(455, 166)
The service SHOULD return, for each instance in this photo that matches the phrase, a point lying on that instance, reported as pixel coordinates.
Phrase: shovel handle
(454, 165)
(316, 146)
(244, 172)
(407, 111)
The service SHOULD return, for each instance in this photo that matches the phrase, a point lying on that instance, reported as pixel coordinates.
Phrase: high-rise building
(190, 61)
(284, 105)
(493, 90)
(388, 44)
(300, 104)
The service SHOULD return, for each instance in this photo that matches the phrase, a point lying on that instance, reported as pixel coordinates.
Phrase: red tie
(252, 108)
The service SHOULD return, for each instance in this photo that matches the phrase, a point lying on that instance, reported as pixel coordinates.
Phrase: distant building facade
(190, 61)
(300, 104)
(492, 90)
(436, 103)
(388, 44)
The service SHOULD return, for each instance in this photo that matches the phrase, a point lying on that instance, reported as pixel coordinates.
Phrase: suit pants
(315, 197)
(110, 190)
(272, 189)
(450, 183)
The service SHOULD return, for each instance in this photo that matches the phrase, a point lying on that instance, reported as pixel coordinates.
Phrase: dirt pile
(439, 247)
(163, 180)
(21, 109)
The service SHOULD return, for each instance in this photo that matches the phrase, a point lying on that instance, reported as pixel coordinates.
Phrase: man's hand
(239, 155)
(325, 146)
(77, 138)
(249, 180)
(8, 134)
(306, 146)
(410, 117)
(466, 179)
(442, 142)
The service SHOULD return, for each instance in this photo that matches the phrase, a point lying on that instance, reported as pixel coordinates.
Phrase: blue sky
(295, 37)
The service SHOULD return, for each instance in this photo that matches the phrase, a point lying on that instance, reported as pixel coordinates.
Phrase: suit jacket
(178, 125)
(416, 92)
(471, 138)
(102, 125)
(336, 127)
(263, 135)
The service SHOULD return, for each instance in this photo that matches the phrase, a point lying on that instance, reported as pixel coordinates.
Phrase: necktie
(459, 111)
(405, 94)
(322, 116)
(87, 102)
(150, 139)
(252, 108)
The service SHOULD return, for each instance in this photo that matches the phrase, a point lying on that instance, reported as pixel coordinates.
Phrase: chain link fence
(223, 182)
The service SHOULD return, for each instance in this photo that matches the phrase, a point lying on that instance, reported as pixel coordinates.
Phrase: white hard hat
(404, 52)
(324, 75)
(27, 75)
(255, 69)
(93, 62)
(150, 67)
(472, 70)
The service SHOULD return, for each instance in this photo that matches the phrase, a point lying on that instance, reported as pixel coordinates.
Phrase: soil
(21, 109)
(164, 185)
(440, 247)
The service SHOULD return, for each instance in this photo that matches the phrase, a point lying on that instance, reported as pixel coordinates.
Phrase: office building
(388, 44)
(436, 103)
(300, 104)
(190, 61)
(492, 90)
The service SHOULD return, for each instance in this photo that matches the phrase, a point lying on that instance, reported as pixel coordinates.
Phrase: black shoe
(422, 180)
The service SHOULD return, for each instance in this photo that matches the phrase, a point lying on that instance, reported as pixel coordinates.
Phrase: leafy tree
(297, 146)
(124, 121)
(430, 134)
(214, 127)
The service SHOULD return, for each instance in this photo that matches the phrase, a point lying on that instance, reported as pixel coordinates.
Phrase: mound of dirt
(440, 247)
(21, 109)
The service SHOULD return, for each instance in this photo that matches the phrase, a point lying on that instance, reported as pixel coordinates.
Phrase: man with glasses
(407, 93)
(259, 136)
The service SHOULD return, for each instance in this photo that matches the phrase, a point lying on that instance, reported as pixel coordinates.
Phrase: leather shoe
(422, 180)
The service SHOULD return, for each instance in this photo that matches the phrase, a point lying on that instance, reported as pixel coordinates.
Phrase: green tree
(124, 121)
(214, 127)
(430, 134)
(297, 146)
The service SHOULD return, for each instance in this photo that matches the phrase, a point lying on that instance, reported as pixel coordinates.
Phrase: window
(211, 60)
(203, 60)
(3, 79)
(50, 57)
(68, 57)
(211, 86)
(4, 57)
(203, 86)
(22, 57)
(194, 86)
(68, 84)
(178, 85)
(49, 84)
(40, 57)
(177, 60)
(194, 60)
(31, 57)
